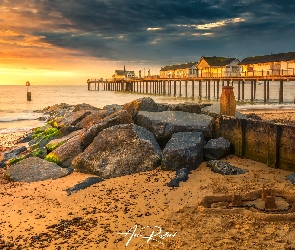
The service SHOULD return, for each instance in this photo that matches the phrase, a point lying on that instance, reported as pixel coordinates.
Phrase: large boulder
(142, 104)
(120, 150)
(224, 168)
(119, 117)
(55, 143)
(65, 153)
(12, 154)
(95, 117)
(215, 149)
(35, 169)
(187, 107)
(71, 118)
(164, 124)
(184, 150)
(112, 108)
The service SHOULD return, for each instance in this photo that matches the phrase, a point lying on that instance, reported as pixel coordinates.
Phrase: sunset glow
(67, 42)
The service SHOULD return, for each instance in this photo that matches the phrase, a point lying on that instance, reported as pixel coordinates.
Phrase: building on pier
(123, 74)
(179, 70)
(273, 64)
(218, 67)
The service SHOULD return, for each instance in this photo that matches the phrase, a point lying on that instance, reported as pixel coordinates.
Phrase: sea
(18, 114)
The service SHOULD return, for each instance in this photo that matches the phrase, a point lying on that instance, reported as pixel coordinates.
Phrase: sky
(68, 42)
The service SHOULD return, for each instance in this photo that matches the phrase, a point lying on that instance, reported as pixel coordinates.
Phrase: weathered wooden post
(180, 88)
(264, 90)
(209, 94)
(29, 96)
(227, 101)
(200, 89)
(252, 90)
(218, 89)
(239, 90)
(281, 91)
(193, 89)
(174, 87)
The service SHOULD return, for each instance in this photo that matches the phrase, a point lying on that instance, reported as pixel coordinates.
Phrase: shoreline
(108, 213)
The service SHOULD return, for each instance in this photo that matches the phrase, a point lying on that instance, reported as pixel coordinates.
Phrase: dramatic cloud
(155, 31)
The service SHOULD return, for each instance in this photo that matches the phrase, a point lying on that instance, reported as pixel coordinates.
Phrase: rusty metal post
(227, 101)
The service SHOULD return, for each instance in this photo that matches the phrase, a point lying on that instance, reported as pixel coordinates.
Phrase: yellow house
(273, 64)
(179, 71)
(218, 67)
(123, 74)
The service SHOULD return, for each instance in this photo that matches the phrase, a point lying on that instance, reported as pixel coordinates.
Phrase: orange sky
(25, 57)
(68, 42)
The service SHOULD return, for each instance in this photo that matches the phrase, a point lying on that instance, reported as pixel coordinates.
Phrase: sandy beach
(140, 211)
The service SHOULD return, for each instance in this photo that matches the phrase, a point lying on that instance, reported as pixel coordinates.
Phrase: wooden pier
(179, 86)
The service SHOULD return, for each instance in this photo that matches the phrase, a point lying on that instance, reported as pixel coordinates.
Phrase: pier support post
(252, 91)
(255, 84)
(239, 90)
(281, 91)
(267, 90)
(200, 89)
(209, 94)
(264, 91)
(243, 90)
(185, 88)
(227, 101)
(218, 81)
(180, 88)
(174, 88)
(193, 89)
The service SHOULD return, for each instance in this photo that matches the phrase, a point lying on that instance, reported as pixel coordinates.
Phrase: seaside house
(218, 67)
(273, 64)
(179, 70)
(123, 74)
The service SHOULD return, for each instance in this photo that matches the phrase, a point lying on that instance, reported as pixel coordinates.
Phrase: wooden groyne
(266, 142)
(180, 86)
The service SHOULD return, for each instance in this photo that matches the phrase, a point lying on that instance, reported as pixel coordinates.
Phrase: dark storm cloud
(163, 29)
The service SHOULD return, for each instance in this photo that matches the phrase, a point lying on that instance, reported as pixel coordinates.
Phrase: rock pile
(118, 140)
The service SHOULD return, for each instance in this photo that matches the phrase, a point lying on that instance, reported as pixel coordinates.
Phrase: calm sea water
(18, 113)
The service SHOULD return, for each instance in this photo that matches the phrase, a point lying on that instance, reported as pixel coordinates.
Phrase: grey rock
(84, 106)
(164, 124)
(64, 154)
(173, 183)
(14, 153)
(187, 107)
(215, 149)
(142, 104)
(35, 169)
(68, 130)
(214, 110)
(112, 108)
(120, 150)
(224, 168)
(291, 178)
(181, 175)
(95, 117)
(53, 144)
(184, 150)
(119, 117)
(71, 118)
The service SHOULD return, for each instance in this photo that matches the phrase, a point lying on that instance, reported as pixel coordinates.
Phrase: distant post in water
(29, 96)
(227, 101)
